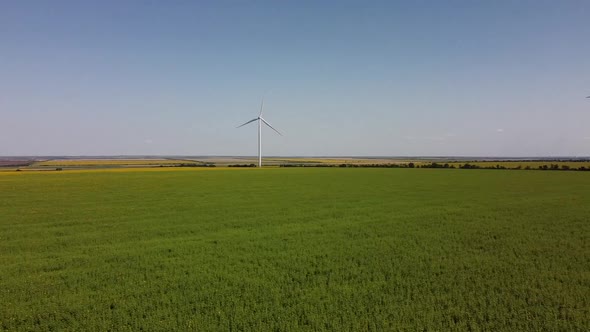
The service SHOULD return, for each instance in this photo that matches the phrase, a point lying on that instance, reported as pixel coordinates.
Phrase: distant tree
(411, 165)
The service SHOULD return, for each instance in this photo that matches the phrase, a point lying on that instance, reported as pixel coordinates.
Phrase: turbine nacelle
(260, 120)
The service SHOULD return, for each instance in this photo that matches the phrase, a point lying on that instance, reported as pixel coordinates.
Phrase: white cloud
(148, 141)
(500, 130)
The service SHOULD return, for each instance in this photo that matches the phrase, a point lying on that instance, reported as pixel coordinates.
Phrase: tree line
(550, 167)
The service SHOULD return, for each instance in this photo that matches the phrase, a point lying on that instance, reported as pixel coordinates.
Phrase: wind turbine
(260, 121)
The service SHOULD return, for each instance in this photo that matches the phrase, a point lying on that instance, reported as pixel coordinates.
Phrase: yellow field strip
(103, 162)
(337, 160)
(128, 169)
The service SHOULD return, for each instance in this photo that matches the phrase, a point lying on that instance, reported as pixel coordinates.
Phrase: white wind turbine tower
(260, 121)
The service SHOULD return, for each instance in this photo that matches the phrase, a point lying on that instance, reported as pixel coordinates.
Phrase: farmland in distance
(295, 249)
(8, 164)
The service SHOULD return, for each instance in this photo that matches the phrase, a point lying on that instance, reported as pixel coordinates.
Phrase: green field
(295, 249)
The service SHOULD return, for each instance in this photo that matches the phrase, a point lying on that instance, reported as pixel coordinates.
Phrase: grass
(294, 249)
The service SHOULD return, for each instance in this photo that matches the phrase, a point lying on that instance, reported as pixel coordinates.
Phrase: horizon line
(132, 156)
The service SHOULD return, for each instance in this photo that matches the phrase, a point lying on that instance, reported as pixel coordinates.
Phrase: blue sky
(470, 78)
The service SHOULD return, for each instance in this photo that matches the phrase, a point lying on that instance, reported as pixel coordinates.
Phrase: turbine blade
(247, 123)
(261, 107)
(271, 127)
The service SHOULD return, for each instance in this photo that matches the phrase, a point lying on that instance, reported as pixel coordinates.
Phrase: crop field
(319, 249)
(111, 162)
(53, 164)
(336, 161)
